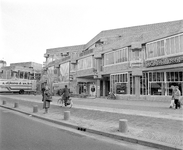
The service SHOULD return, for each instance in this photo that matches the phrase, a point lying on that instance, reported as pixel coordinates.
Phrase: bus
(20, 86)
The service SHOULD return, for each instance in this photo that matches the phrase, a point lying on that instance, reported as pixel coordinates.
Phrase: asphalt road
(21, 132)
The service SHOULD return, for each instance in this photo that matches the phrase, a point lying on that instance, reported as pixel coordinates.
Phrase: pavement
(150, 123)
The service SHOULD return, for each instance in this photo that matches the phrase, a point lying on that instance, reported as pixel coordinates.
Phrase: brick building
(23, 70)
(133, 62)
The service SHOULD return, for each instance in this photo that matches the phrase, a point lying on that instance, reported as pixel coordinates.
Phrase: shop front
(159, 82)
(119, 83)
(85, 86)
(162, 74)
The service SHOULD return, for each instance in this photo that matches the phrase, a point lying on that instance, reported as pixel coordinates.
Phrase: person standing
(47, 98)
(177, 95)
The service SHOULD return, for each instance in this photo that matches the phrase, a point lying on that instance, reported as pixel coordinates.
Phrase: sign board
(164, 61)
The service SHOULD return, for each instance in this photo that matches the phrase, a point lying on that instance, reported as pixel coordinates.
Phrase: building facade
(23, 70)
(134, 62)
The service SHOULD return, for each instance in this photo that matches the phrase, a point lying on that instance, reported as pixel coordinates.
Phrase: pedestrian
(172, 103)
(42, 92)
(177, 95)
(47, 99)
(65, 93)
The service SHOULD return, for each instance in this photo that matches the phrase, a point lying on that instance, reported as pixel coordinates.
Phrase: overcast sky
(29, 27)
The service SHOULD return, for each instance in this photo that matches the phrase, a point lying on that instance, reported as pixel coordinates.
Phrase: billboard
(64, 72)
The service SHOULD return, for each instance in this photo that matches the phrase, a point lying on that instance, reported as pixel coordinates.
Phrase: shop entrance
(83, 88)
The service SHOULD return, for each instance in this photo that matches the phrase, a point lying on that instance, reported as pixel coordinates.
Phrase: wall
(115, 68)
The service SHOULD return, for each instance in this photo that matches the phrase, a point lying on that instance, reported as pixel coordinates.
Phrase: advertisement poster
(64, 72)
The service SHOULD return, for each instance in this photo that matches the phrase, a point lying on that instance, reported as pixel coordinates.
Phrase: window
(115, 57)
(155, 49)
(85, 63)
(118, 83)
(156, 83)
(175, 79)
(167, 46)
(144, 84)
(109, 58)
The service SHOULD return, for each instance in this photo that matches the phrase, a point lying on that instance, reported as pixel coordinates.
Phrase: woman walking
(177, 95)
(47, 98)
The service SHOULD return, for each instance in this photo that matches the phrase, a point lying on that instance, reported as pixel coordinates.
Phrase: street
(22, 132)
(146, 119)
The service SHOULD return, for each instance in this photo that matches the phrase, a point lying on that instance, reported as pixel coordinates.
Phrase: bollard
(35, 108)
(16, 105)
(66, 115)
(4, 102)
(123, 125)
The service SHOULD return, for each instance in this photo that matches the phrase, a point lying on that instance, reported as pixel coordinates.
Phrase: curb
(140, 141)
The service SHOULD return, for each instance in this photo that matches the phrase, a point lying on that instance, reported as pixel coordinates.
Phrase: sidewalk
(146, 119)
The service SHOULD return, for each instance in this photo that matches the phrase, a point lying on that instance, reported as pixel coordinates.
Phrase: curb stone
(141, 141)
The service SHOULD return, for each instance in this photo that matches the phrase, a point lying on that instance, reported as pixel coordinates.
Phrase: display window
(118, 83)
(159, 83)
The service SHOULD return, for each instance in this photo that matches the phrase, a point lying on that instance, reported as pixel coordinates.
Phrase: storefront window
(157, 85)
(180, 76)
(176, 79)
(144, 84)
(157, 88)
(150, 76)
(121, 88)
(168, 76)
(119, 83)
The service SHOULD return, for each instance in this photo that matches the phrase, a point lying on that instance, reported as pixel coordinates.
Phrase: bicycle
(111, 96)
(68, 103)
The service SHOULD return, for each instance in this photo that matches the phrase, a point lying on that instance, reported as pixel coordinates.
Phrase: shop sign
(164, 61)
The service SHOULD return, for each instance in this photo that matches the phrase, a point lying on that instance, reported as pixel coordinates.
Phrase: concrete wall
(116, 68)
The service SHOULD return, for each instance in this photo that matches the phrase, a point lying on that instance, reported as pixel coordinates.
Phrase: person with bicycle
(65, 93)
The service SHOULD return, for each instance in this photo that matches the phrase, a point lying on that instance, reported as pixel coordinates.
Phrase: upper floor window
(121, 55)
(174, 45)
(168, 46)
(115, 57)
(155, 49)
(109, 58)
(85, 63)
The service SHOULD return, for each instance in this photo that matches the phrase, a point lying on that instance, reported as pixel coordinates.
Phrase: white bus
(17, 86)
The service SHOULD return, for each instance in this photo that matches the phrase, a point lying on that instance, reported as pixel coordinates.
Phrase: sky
(29, 27)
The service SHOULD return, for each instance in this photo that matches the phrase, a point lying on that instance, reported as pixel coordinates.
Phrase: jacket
(176, 94)
(65, 93)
